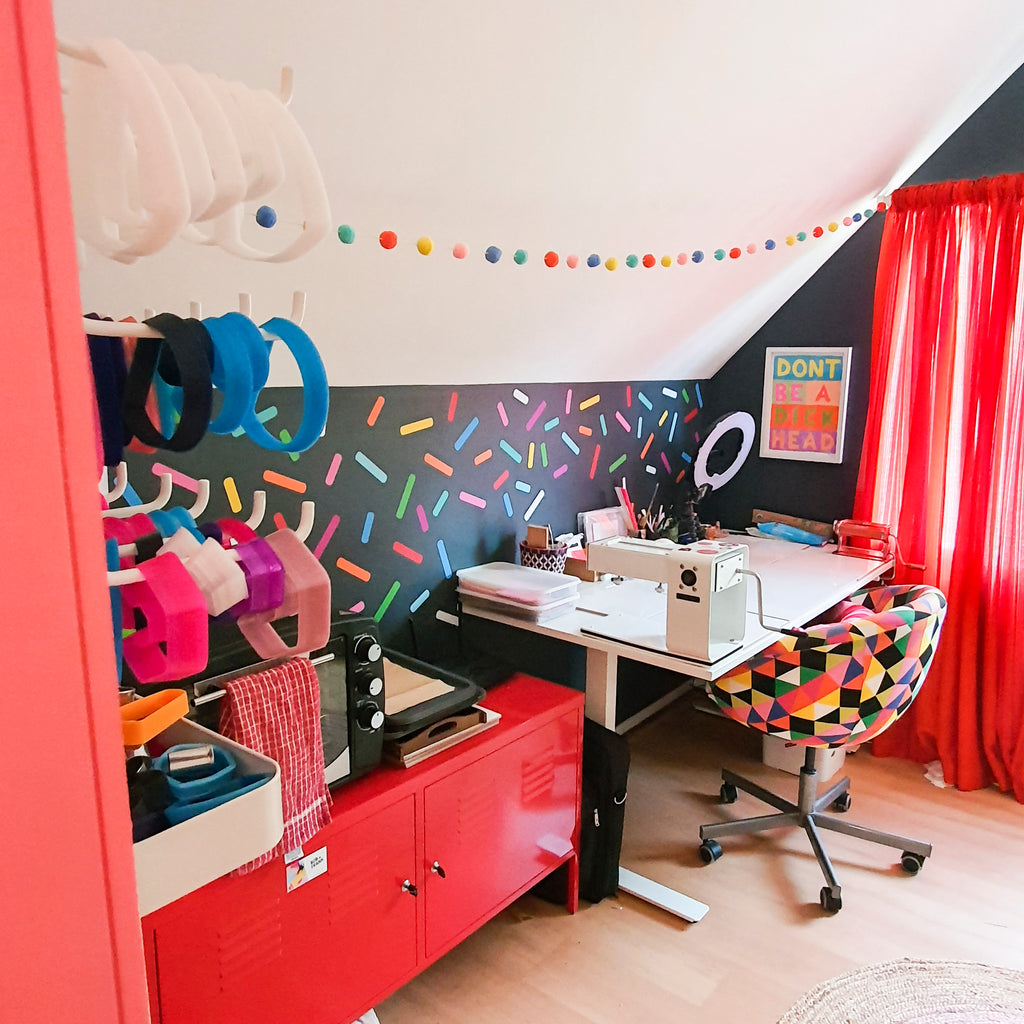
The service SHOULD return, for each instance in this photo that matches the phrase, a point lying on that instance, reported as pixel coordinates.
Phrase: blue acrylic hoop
(316, 393)
(240, 366)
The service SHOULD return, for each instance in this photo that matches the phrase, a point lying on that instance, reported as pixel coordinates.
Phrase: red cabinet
(416, 860)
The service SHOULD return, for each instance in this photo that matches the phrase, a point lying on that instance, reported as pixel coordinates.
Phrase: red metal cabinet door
(371, 921)
(497, 826)
(245, 951)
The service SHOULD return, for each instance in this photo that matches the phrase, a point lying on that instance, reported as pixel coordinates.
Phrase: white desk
(627, 619)
(613, 620)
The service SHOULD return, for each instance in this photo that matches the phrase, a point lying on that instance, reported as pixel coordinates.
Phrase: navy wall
(411, 484)
(835, 309)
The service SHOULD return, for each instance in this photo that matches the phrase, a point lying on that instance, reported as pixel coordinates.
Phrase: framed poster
(803, 411)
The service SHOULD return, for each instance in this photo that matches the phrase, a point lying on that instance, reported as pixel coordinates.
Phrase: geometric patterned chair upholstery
(836, 683)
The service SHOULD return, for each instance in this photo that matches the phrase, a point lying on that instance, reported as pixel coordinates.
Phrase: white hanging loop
(163, 496)
(259, 509)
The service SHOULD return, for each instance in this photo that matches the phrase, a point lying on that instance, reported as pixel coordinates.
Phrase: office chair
(835, 684)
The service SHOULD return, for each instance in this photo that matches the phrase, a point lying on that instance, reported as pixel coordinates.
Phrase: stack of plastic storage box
(520, 591)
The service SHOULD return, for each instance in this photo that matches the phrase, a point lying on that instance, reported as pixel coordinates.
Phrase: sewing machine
(705, 588)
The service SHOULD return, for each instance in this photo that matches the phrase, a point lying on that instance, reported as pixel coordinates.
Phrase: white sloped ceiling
(581, 127)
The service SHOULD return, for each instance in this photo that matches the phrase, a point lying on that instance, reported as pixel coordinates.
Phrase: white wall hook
(163, 496)
(195, 310)
(120, 483)
(245, 304)
(259, 509)
(287, 84)
(298, 308)
(202, 497)
(305, 527)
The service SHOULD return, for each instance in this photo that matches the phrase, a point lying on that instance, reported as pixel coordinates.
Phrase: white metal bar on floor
(662, 896)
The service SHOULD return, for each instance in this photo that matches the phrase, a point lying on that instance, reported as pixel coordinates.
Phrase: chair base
(809, 814)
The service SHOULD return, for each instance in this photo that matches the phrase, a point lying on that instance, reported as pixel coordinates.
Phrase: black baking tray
(420, 716)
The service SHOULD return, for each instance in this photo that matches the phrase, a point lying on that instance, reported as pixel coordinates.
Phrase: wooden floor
(765, 940)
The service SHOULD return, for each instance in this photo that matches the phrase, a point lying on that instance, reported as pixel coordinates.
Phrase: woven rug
(915, 992)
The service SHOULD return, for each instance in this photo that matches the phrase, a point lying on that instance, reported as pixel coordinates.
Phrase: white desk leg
(602, 676)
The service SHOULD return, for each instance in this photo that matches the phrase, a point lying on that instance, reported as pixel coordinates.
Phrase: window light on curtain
(943, 462)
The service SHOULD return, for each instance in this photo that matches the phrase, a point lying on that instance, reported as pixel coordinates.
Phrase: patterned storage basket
(552, 559)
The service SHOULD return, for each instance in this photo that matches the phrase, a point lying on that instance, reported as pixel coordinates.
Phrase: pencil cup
(552, 559)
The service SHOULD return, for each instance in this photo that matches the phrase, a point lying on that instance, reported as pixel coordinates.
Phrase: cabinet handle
(411, 889)
(437, 869)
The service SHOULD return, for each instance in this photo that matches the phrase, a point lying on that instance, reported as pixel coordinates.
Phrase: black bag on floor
(603, 811)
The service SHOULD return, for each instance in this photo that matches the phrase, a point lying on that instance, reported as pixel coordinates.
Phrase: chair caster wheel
(911, 862)
(829, 903)
(842, 803)
(710, 851)
(728, 794)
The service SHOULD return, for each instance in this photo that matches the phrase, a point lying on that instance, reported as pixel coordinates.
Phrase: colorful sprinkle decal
(353, 570)
(325, 539)
(386, 603)
(570, 443)
(465, 435)
(622, 421)
(177, 478)
(472, 499)
(446, 566)
(618, 462)
(439, 504)
(332, 473)
(535, 415)
(375, 411)
(551, 424)
(419, 600)
(371, 467)
(508, 505)
(412, 428)
(435, 463)
(287, 482)
(510, 451)
(533, 505)
(264, 417)
(520, 397)
(483, 457)
(421, 515)
(404, 501)
(231, 491)
(503, 414)
(501, 480)
(406, 552)
(588, 402)
(367, 528)
(452, 404)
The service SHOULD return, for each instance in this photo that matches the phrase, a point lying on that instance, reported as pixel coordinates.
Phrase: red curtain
(943, 463)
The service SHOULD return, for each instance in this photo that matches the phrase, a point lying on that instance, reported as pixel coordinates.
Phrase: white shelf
(186, 856)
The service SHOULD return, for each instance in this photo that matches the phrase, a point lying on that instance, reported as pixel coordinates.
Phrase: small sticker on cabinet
(305, 870)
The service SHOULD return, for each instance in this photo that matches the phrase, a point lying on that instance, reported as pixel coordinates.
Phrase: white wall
(660, 126)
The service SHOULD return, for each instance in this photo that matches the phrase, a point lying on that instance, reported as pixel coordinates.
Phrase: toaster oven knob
(369, 716)
(375, 686)
(366, 648)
